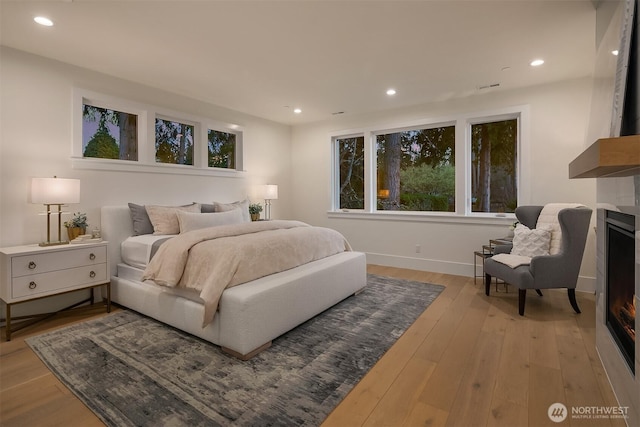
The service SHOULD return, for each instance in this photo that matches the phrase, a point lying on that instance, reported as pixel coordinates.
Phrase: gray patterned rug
(133, 371)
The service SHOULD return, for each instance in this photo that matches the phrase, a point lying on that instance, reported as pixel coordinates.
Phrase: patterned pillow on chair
(528, 242)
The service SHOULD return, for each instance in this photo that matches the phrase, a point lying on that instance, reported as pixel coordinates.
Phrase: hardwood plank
(545, 389)
(396, 405)
(512, 382)
(473, 400)
(443, 384)
(543, 346)
(425, 415)
(505, 413)
(426, 378)
(45, 402)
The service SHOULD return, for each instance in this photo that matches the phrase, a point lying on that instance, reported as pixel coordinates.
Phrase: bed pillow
(165, 218)
(242, 205)
(140, 218)
(207, 208)
(194, 221)
(531, 242)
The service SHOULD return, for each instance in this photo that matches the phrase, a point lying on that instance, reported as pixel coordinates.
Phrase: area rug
(133, 371)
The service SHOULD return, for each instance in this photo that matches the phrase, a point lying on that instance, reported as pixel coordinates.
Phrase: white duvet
(212, 259)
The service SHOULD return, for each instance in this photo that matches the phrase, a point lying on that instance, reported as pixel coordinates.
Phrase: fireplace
(620, 282)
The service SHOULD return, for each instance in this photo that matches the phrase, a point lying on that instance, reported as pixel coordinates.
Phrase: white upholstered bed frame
(250, 315)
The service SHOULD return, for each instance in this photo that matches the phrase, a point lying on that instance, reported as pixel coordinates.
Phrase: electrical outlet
(418, 249)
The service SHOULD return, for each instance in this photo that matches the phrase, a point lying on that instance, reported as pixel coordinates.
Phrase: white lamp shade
(55, 191)
(270, 192)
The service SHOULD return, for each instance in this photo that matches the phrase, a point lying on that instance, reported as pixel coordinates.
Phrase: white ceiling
(267, 57)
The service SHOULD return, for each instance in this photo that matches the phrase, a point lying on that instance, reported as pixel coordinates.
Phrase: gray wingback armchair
(549, 271)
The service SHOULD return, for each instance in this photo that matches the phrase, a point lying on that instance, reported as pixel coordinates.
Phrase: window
(174, 142)
(109, 134)
(221, 149)
(494, 147)
(466, 165)
(114, 134)
(416, 170)
(351, 172)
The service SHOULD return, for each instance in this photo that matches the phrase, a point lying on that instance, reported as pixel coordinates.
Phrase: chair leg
(539, 292)
(522, 295)
(572, 300)
(487, 283)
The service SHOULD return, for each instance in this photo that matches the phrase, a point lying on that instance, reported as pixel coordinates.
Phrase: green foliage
(424, 202)
(102, 145)
(174, 142)
(222, 149)
(351, 152)
(438, 180)
(79, 220)
(426, 188)
(255, 208)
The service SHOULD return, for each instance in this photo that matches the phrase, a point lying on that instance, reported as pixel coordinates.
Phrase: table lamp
(54, 192)
(269, 193)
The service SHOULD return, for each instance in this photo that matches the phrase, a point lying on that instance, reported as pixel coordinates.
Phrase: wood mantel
(608, 157)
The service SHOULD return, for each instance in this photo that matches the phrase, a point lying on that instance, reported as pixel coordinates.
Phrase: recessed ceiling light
(537, 62)
(297, 111)
(615, 52)
(391, 92)
(43, 21)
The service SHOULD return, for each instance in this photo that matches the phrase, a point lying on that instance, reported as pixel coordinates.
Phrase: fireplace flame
(627, 317)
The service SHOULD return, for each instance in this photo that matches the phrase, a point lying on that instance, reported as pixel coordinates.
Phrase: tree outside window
(416, 170)
(109, 134)
(221, 149)
(174, 142)
(351, 155)
(494, 166)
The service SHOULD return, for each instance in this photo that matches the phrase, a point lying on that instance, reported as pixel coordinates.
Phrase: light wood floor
(468, 360)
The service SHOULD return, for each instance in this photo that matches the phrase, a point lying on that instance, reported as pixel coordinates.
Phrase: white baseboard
(585, 284)
(422, 264)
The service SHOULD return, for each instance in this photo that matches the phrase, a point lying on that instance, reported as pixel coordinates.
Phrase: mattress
(136, 251)
(134, 275)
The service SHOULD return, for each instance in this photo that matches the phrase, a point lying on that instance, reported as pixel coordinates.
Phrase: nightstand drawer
(58, 281)
(60, 260)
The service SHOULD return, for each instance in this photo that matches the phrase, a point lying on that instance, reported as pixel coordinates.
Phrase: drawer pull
(32, 285)
(92, 274)
(32, 265)
(92, 256)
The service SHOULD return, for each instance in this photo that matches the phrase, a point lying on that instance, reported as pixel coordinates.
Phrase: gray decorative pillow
(206, 208)
(165, 219)
(194, 221)
(140, 218)
(242, 205)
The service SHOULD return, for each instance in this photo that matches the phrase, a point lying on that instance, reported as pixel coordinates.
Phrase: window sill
(127, 166)
(436, 217)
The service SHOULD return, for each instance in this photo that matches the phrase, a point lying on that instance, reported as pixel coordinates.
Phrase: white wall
(558, 122)
(36, 132)
(36, 141)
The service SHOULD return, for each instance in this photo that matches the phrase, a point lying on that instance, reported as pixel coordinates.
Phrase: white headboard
(116, 226)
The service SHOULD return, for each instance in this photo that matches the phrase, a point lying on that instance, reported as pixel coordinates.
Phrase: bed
(250, 315)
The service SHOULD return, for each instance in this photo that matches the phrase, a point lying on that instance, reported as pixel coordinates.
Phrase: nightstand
(32, 272)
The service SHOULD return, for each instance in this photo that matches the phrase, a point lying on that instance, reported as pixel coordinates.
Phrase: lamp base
(52, 243)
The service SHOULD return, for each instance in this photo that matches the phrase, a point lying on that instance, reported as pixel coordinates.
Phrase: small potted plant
(254, 211)
(77, 225)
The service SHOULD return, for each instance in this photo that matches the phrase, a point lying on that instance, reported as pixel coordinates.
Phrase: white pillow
(530, 243)
(165, 220)
(194, 221)
(243, 205)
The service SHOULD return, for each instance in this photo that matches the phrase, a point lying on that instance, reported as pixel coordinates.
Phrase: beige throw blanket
(212, 259)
